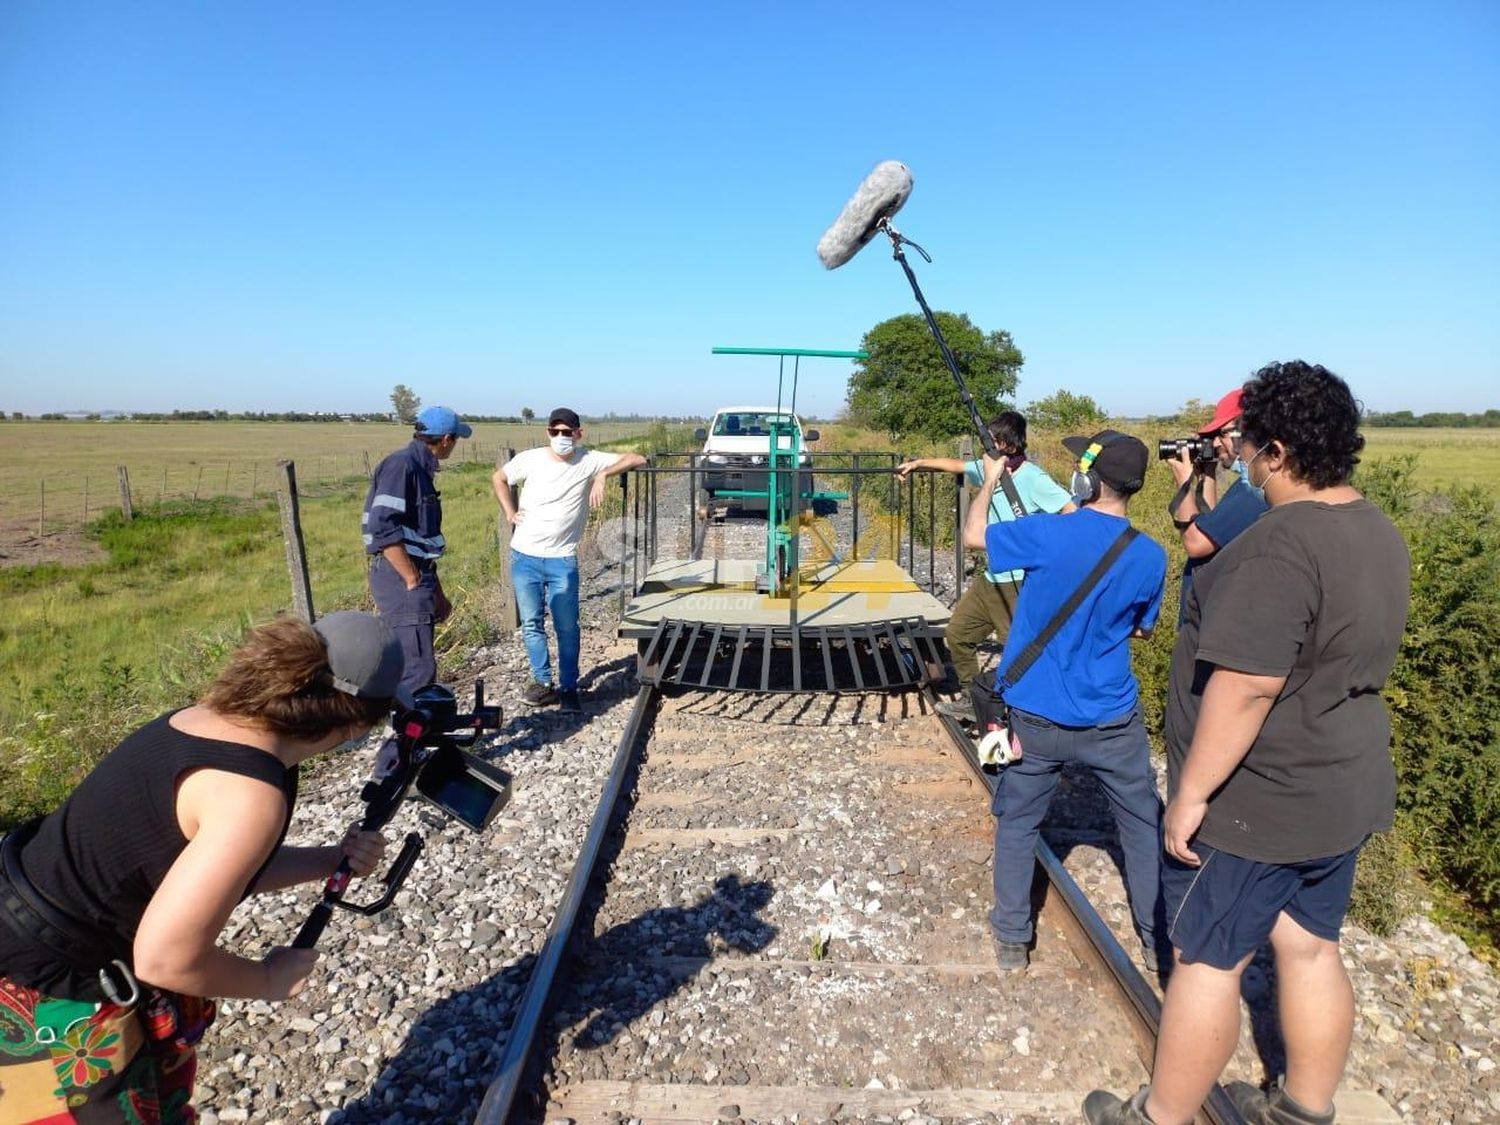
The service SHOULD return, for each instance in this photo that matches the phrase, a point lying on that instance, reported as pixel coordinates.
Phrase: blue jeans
(548, 586)
(1118, 755)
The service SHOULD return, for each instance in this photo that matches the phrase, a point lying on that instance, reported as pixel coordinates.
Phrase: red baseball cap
(1227, 411)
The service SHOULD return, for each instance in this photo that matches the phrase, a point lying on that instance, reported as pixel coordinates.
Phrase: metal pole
(692, 502)
(85, 498)
(41, 515)
(911, 522)
(624, 533)
(854, 509)
(654, 528)
(931, 531)
(961, 515)
(635, 535)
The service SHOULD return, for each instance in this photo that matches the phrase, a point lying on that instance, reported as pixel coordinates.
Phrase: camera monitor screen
(467, 789)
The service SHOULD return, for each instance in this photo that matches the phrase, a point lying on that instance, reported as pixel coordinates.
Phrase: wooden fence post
(965, 454)
(509, 612)
(41, 512)
(85, 498)
(368, 474)
(126, 508)
(291, 535)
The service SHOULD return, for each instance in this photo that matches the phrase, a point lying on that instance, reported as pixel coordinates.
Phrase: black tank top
(101, 856)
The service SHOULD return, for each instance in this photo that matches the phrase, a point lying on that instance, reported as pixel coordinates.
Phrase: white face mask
(561, 444)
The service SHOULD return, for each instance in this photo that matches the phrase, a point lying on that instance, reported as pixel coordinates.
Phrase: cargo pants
(410, 614)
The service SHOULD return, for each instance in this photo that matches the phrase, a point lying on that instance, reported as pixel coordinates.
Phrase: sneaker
(1010, 956)
(568, 703)
(1149, 958)
(961, 709)
(538, 695)
(1103, 1108)
(1274, 1108)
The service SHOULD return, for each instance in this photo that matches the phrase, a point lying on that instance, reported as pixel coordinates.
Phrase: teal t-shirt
(1038, 493)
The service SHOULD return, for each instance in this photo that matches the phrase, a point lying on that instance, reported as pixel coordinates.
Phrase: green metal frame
(784, 501)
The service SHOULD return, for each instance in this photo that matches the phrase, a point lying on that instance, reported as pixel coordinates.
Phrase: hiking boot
(961, 709)
(1103, 1108)
(568, 703)
(538, 695)
(1274, 1108)
(1010, 956)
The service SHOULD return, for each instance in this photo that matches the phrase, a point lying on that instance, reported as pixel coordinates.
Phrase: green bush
(1444, 710)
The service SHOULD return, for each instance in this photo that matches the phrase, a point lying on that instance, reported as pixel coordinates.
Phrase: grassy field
(56, 476)
(1444, 456)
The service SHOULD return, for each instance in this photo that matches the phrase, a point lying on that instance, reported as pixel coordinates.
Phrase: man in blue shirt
(1208, 526)
(989, 602)
(1079, 701)
(403, 533)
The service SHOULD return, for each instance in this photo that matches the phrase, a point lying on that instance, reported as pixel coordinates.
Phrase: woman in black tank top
(111, 906)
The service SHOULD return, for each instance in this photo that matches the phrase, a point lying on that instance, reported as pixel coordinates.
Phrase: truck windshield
(750, 423)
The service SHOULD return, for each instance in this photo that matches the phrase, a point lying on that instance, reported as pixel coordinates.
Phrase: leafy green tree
(905, 390)
(1065, 411)
(528, 414)
(406, 404)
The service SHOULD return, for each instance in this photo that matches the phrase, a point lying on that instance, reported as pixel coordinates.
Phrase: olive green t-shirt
(1317, 593)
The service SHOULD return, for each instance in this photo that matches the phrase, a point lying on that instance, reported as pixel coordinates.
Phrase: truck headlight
(717, 459)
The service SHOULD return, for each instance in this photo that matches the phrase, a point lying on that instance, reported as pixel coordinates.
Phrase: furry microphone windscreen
(882, 193)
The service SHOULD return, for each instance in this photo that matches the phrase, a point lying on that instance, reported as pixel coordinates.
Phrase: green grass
(57, 470)
(88, 651)
(1444, 456)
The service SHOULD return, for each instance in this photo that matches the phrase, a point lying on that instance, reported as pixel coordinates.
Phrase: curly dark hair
(1312, 413)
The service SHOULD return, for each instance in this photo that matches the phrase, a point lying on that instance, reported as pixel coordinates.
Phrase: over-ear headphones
(1085, 478)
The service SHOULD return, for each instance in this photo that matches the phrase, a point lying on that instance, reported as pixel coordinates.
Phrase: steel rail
(1139, 998)
(500, 1095)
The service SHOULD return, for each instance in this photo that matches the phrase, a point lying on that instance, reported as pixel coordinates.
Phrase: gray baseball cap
(363, 655)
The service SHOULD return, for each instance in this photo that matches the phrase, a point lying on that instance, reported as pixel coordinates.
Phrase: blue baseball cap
(439, 421)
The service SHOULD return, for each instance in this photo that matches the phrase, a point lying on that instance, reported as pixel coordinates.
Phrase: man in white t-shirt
(562, 480)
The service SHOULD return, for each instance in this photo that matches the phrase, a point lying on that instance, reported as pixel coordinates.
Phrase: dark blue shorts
(1226, 908)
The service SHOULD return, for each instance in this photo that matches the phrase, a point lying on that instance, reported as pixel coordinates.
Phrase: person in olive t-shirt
(1279, 763)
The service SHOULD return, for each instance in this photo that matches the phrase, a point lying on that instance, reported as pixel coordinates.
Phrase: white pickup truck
(738, 443)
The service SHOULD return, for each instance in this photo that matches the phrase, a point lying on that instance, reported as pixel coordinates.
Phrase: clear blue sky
(296, 206)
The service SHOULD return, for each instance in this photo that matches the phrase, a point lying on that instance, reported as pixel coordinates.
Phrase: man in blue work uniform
(403, 529)
(1079, 701)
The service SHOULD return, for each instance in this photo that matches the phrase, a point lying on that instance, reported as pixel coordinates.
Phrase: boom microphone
(882, 193)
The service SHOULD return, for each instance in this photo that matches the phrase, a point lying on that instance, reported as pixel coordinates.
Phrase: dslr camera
(1200, 450)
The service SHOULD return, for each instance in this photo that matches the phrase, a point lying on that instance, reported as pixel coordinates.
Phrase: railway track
(766, 923)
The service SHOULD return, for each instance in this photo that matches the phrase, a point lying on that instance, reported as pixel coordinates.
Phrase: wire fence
(57, 505)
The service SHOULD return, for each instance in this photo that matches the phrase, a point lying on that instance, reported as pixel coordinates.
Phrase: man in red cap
(1208, 523)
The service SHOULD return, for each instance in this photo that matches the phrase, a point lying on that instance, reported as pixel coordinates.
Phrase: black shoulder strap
(1181, 495)
(1022, 664)
(1011, 494)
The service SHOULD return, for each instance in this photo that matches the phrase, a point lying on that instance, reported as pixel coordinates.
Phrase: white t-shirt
(555, 501)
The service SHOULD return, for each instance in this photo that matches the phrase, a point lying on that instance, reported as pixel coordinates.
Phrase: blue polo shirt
(1038, 493)
(1083, 676)
(1236, 510)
